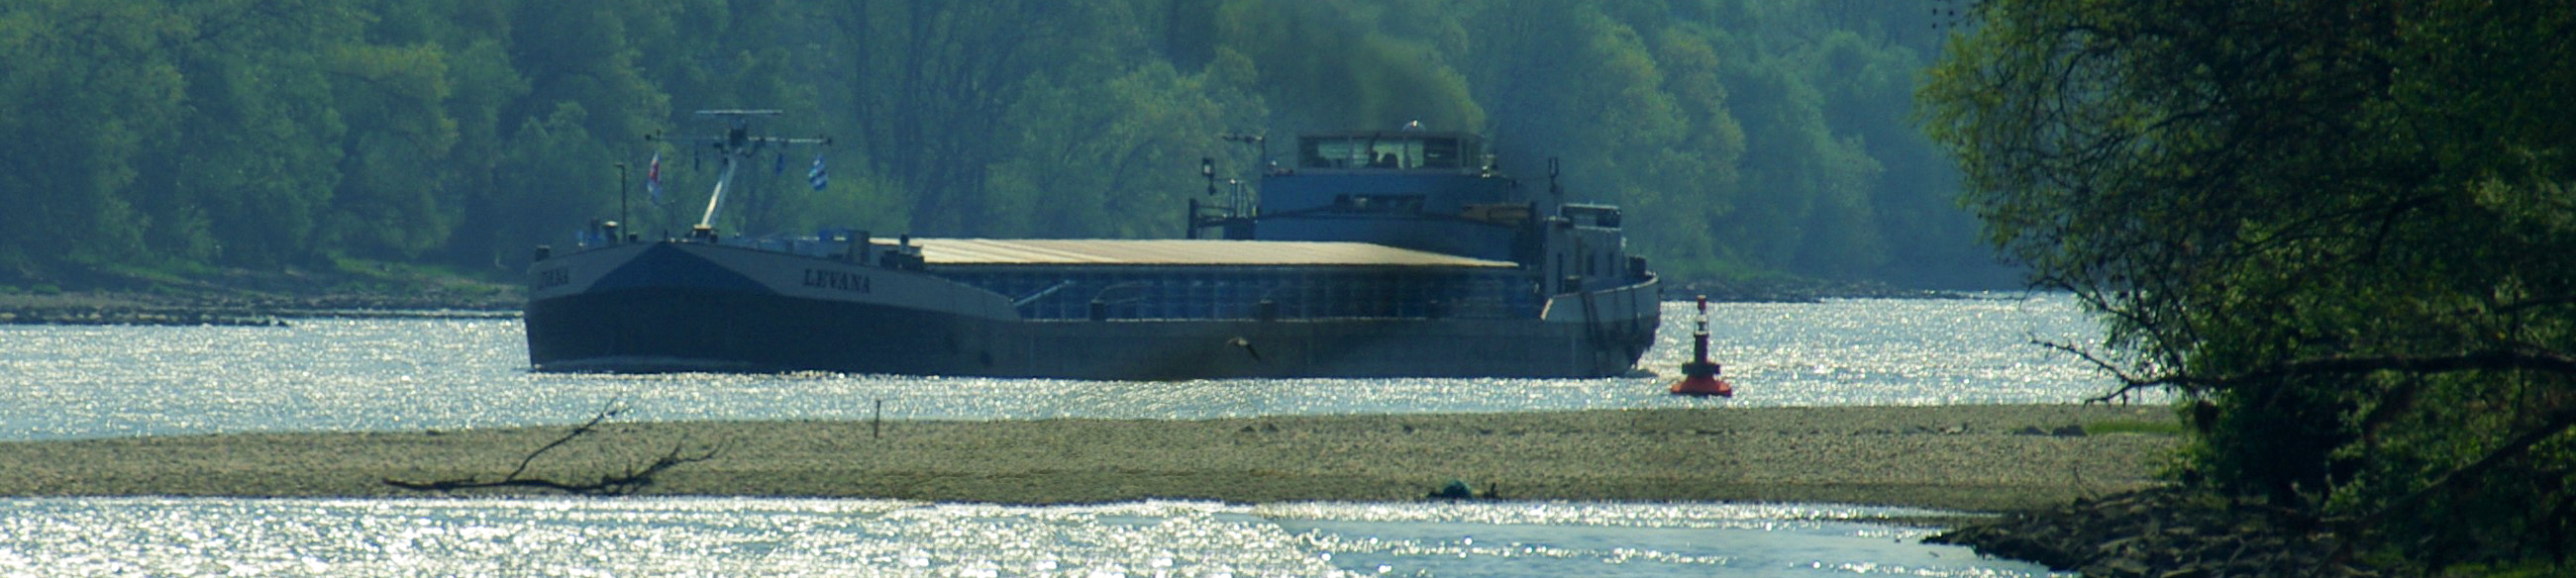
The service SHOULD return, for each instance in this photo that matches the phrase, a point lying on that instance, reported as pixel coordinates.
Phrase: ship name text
(841, 280)
(552, 278)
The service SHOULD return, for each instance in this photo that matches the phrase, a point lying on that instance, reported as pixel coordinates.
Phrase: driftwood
(634, 478)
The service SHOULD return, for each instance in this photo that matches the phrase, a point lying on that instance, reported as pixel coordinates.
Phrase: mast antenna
(735, 146)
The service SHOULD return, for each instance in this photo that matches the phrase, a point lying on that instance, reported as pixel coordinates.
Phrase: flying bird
(1246, 344)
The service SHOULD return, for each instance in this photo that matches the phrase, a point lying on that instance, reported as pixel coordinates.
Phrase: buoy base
(1703, 385)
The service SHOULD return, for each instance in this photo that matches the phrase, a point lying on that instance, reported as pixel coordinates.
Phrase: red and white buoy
(1699, 375)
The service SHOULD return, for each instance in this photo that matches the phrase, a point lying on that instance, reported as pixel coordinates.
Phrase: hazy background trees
(1749, 137)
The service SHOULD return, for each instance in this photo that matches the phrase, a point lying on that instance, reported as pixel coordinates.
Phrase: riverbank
(2165, 531)
(1976, 458)
(256, 299)
(1795, 290)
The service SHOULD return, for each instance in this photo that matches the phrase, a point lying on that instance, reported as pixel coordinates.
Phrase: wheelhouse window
(1386, 152)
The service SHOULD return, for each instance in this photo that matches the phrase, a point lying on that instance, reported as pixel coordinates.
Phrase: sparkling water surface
(61, 382)
(744, 537)
(397, 374)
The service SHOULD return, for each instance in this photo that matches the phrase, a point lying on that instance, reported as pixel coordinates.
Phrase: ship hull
(694, 307)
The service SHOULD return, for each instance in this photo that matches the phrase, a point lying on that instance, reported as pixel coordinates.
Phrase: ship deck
(1228, 279)
(1069, 279)
(1185, 252)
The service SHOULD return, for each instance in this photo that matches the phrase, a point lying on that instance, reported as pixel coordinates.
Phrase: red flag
(653, 178)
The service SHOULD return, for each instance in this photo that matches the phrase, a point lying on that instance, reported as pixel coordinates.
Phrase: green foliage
(90, 89)
(1094, 156)
(1620, 128)
(1341, 64)
(1765, 138)
(2332, 226)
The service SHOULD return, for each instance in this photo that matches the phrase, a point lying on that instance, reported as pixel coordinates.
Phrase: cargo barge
(1374, 254)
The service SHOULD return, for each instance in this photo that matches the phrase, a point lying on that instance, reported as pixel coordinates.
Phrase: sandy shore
(1953, 457)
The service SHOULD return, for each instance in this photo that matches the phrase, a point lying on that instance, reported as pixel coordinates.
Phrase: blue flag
(816, 176)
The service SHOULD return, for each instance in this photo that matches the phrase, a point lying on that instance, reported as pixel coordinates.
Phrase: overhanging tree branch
(2558, 422)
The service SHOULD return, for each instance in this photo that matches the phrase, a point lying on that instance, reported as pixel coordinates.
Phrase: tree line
(1751, 137)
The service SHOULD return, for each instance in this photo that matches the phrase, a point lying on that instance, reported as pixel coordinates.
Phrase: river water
(62, 382)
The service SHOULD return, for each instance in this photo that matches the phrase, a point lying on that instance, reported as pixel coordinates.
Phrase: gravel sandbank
(1979, 458)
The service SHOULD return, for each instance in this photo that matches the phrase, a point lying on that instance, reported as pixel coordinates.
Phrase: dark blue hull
(698, 330)
(729, 309)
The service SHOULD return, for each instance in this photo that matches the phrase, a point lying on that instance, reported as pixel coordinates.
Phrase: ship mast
(734, 147)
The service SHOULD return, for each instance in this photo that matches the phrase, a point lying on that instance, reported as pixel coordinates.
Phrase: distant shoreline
(1971, 458)
(260, 309)
(234, 309)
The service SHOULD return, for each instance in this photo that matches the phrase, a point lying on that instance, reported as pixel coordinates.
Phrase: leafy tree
(91, 86)
(2330, 225)
(481, 84)
(930, 85)
(1336, 65)
(561, 168)
(1095, 156)
(260, 153)
(390, 202)
(1570, 81)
